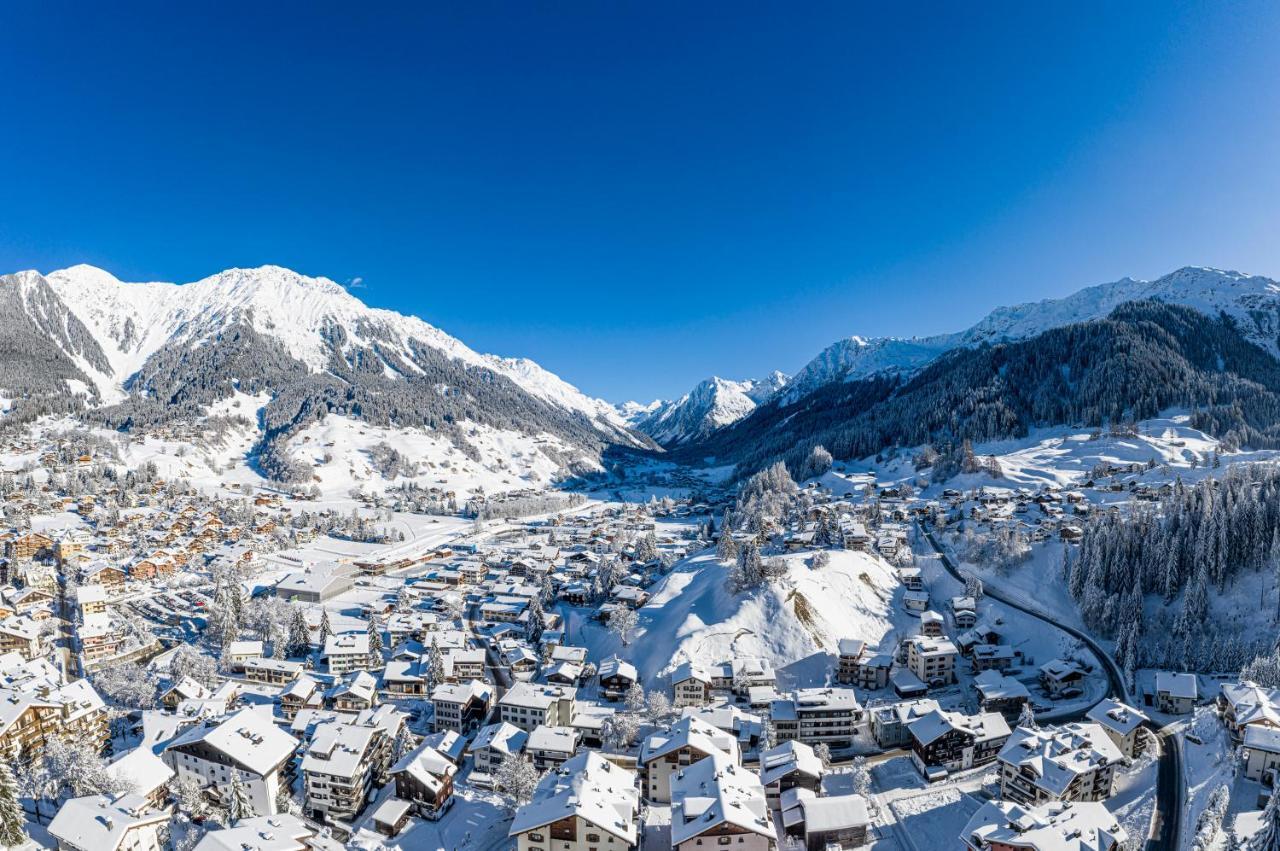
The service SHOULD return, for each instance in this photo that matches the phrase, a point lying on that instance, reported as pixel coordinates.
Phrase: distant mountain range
(711, 405)
(133, 354)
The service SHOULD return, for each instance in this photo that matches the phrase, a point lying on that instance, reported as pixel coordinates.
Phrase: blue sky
(638, 195)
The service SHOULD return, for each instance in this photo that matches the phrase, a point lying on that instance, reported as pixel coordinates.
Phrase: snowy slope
(133, 321)
(1254, 301)
(712, 404)
(796, 623)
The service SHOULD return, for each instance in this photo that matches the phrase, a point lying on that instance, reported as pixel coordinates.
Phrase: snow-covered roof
(615, 667)
(143, 768)
(553, 739)
(102, 822)
(426, 765)
(690, 732)
(1261, 738)
(1076, 826)
(1116, 716)
(502, 737)
(715, 791)
(833, 814)
(339, 749)
(281, 832)
(1177, 685)
(250, 737)
(587, 786)
(462, 692)
(790, 757)
(1056, 757)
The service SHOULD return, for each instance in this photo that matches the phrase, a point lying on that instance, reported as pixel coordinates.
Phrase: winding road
(1166, 824)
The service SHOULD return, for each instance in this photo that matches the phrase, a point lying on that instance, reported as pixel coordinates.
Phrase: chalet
(616, 677)
(302, 693)
(944, 741)
(1061, 678)
(836, 822)
(587, 803)
(715, 800)
(109, 823)
(666, 752)
(1123, 724)
(889, 724)
(790, 765)
(1000, 693)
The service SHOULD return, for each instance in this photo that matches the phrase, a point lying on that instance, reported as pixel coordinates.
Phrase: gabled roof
(587, 786)
(249, 737)
(691, 732)
(715, 791)
(788, 758)
(502, 737)
(426, 765)
(102, 822)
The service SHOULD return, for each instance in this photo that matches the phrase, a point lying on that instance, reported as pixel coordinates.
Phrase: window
(725, 840)
(535, 837)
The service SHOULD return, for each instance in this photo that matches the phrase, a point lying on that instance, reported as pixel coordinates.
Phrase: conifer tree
(12, 832)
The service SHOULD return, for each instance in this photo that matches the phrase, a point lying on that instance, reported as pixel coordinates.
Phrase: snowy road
(1169, 777)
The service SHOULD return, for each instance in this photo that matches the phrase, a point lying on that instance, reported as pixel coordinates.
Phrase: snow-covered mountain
(712, 404)
(132, 321)
(1250, 299)
(305, 341)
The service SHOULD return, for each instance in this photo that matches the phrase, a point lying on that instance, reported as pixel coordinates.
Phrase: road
(1166, 824)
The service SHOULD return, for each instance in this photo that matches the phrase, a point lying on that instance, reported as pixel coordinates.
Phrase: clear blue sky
(638, 195)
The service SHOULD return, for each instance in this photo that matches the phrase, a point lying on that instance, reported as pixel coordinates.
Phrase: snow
(712, 404)
(132, 321)
(1250, 299)
(796, 623)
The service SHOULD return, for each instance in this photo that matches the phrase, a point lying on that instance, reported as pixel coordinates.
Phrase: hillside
(1144, 358)
(140, 355)
(1252, 301)
(796, 623)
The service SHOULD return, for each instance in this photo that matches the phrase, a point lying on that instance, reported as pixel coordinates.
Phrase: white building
(665, 753)
(247, 743)
(529, 705)
(828, 715)
(933, 660)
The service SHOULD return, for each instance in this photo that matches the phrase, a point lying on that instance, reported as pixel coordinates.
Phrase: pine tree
(1027, 718)
(375, 642)
(1268, 839)
(239, 802)
(434, 675)
(299, 640)
(12, 820)
(326, 631)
